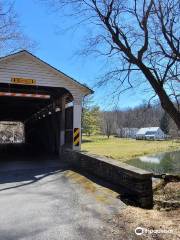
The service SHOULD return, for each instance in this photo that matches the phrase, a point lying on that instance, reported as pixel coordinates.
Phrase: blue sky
(58, 49)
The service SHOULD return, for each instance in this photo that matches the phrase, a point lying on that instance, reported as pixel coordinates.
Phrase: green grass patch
(124, 149)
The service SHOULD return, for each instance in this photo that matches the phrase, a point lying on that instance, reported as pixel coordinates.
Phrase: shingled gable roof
(84, 87)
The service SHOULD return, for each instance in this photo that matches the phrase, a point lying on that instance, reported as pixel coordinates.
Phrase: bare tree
(142, 36)
(167, 13)
(11, 35)
(167, 38)
(107, 123)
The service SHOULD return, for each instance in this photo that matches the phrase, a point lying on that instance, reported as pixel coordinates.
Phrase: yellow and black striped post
(76, 137)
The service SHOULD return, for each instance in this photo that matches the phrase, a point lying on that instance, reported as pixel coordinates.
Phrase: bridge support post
(77, 113)
(62, 123)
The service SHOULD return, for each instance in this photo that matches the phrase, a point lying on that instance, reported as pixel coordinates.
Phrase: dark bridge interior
(42, 117)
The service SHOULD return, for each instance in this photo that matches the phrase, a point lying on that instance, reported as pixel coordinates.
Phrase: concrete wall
(133, 182)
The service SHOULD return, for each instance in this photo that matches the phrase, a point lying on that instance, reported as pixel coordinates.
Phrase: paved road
(44, 203)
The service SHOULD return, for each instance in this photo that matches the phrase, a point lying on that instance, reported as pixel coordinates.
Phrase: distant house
(151, 133)
(127, 132)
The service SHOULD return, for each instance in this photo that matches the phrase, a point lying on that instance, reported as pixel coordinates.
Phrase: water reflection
(159, 163)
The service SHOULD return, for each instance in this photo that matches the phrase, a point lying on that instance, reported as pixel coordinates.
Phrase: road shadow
(28, 176)
(22, 166)
(20, 152)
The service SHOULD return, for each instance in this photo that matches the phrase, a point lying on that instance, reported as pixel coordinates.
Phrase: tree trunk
(166, 103)
(169, 107)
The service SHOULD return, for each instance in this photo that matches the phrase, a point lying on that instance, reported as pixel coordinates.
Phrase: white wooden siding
(25, 66)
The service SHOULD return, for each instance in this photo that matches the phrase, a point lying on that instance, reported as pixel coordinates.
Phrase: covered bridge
(47, 101)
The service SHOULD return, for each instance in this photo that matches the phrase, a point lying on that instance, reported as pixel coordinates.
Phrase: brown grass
(131, 218)
(123, 149)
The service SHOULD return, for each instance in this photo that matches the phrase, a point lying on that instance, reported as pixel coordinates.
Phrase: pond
(159, 163)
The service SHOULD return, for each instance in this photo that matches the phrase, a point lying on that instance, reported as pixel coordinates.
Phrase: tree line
(96, 121)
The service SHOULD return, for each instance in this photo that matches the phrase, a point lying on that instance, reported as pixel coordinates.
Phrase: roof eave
(88, 90)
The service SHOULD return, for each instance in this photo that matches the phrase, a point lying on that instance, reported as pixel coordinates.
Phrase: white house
(150, 133)
(127, 132)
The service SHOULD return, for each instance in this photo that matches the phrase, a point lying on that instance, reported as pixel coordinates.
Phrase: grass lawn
(124, 149)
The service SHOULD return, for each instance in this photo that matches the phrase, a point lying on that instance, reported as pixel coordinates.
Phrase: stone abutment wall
(134, 183)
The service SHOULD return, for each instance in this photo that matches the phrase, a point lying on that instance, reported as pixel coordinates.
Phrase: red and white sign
(28, 95)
